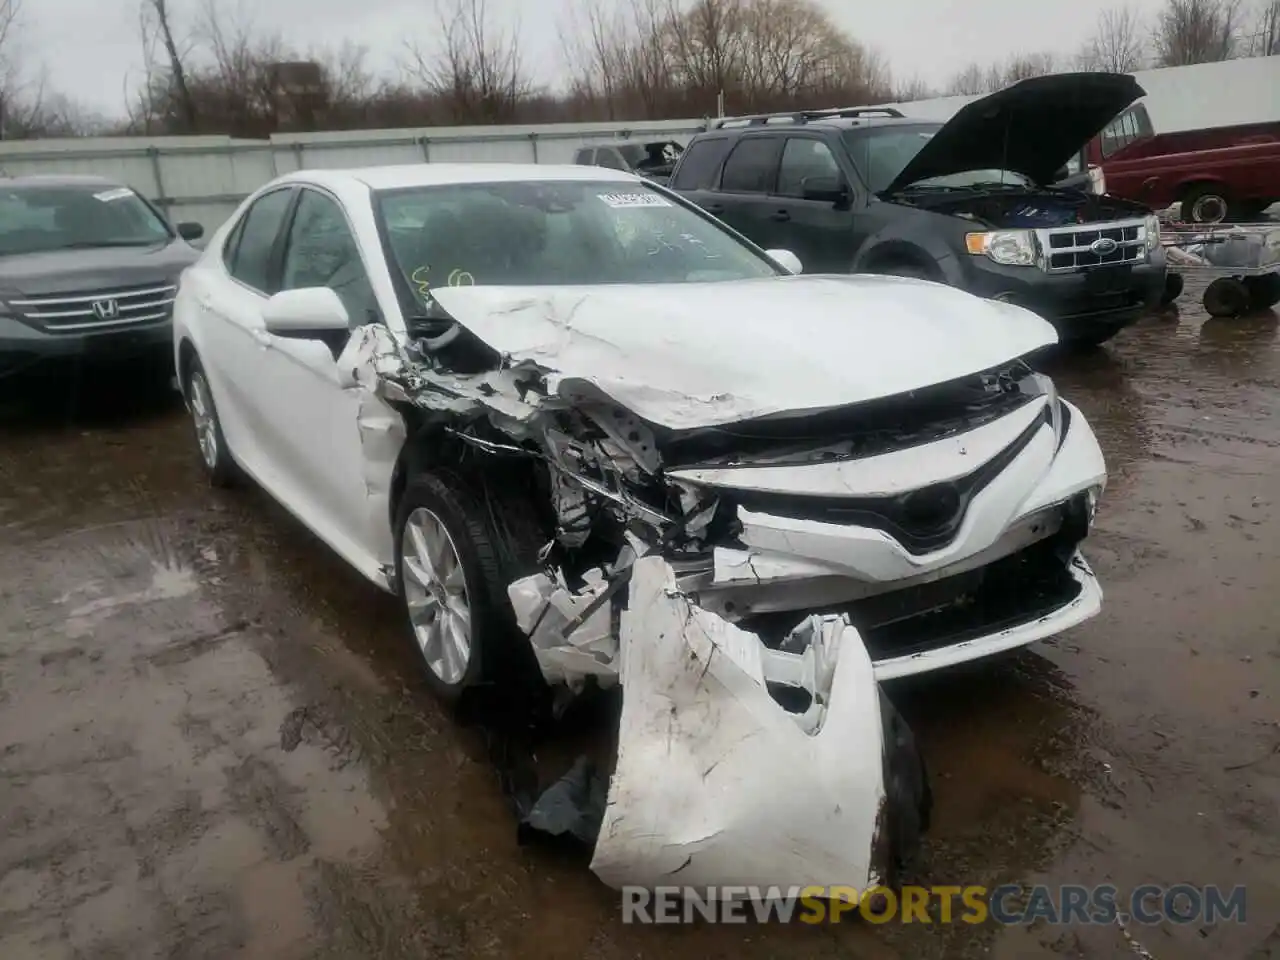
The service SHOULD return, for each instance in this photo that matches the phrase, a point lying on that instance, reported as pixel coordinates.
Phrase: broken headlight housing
(1011, 248)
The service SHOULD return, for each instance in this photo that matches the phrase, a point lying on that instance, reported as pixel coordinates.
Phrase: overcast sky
(92, 51)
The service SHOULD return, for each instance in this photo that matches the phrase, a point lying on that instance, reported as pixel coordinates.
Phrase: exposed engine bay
(1016, 207)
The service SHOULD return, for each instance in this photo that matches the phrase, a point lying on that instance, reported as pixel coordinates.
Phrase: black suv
(88, 268)
(967, 203)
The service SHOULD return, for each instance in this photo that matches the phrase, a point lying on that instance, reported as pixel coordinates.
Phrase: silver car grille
(100, 310)
(1066, 249)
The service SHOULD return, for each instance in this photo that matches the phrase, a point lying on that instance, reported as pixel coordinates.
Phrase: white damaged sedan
(573, 421)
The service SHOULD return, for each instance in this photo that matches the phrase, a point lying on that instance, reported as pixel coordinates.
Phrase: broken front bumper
(718, 784)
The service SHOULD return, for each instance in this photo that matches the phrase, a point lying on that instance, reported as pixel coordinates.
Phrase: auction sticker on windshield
(119, 193)
(620, 200)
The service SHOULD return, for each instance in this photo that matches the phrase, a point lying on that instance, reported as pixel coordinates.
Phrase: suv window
(698, 164)
(609, 157)
(323, 253)
(248, 255)
(751, 166)
(805, 159)
(585, 156)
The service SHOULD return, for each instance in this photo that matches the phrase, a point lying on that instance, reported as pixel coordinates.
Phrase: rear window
(699, 164)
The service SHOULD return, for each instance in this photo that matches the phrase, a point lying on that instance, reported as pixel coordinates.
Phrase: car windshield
(557, 232)
(884, 152)
(39, 219)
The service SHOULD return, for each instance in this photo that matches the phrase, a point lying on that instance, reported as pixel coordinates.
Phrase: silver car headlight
(1153, 232)
(1012, 248)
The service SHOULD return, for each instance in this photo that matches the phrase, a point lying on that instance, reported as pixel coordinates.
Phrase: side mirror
(787, 260)
(1061, 174)
(308, 313)
(190, 230)
(824, 189)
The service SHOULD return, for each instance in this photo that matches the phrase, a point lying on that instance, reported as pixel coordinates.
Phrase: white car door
(229, 293)
(312, 417)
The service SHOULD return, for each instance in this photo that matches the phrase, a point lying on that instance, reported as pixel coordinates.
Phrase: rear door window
(699, 164)
(752, 167)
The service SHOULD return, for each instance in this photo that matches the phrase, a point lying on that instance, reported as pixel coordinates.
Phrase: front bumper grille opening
(1014, 591)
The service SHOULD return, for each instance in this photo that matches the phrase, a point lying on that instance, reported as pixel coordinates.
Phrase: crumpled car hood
(693, 355)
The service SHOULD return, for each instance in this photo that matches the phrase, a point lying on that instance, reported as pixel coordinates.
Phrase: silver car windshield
(557, 232)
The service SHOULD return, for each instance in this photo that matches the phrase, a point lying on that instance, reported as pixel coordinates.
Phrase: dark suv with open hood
(969, 203)
(88, 268)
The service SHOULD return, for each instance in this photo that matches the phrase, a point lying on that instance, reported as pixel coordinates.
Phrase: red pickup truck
(1219, 173)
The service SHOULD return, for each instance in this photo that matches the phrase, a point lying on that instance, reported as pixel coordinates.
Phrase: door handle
(782, 216)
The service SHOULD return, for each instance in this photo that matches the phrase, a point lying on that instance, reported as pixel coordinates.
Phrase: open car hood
(1032, 127)
(692, 355)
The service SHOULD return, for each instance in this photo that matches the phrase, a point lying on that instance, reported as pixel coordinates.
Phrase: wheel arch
(892, 253)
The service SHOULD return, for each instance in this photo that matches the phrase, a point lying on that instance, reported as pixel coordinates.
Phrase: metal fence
(204, 178)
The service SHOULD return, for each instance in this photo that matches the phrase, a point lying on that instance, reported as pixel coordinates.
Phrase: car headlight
(1013, 248)
(1153, 232)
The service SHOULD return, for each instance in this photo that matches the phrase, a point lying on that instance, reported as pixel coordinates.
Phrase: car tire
(1226, 297)
(1264, 291)
(458, 544)
(1173, 285)
(215, 455)
(1205, 203)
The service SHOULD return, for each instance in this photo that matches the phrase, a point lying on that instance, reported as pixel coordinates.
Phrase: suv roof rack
(804, 116)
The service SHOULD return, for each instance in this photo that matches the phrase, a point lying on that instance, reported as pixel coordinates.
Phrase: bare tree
(1196, 31)
(477, 68)
(157, 18)
(969, 81)
(913, 89)
(1264, 39)
(1116, 45)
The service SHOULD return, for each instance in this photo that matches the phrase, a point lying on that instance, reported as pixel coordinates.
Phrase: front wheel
(458, 545)
(219, 467)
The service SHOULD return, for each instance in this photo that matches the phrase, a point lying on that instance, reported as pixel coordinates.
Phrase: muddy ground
(214, 741)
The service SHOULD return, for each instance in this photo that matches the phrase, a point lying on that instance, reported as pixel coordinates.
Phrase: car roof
(442, 174)
(57, 180)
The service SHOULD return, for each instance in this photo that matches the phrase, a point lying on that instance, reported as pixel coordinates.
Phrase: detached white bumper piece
(716, 782)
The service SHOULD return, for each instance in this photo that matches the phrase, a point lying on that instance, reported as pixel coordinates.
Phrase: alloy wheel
(436, 595)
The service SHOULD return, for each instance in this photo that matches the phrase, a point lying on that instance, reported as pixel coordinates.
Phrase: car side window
(254, 238)
(699, 163)
(322, 252)
(585, 156)
(752, 167)
(806, 160)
